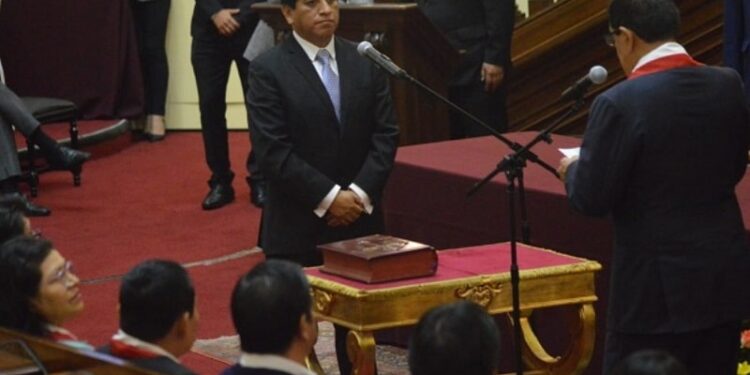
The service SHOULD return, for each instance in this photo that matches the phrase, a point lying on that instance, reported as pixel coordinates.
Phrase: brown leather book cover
(378, 258)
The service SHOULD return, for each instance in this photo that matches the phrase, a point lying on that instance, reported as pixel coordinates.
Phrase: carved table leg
(577, 356)
(360, 345)
(313, 364)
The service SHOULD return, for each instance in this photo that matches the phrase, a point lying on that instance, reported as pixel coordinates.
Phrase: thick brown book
(378, 258)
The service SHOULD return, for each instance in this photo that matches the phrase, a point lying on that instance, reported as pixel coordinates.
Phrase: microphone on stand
(366, 49)
(597, 75)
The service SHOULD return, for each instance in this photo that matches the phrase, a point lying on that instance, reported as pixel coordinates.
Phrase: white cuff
(363, 196)
(326, 203)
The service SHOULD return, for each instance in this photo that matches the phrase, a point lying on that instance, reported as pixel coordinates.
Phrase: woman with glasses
(38, 290)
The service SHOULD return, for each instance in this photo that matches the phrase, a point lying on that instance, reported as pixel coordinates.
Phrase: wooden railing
(562, 42)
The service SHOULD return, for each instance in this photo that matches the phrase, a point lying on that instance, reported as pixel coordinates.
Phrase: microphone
(596, 75)
(366, 49)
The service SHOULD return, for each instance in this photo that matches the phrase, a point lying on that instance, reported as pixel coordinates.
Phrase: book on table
(378, 258)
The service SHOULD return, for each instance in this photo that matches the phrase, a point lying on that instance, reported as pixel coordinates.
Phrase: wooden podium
(24, 354)
(403, 33)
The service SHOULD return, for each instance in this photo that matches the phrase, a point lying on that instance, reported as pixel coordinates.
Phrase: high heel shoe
(148, 133)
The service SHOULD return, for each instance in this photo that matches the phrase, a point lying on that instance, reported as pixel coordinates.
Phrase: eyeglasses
(64, 275)
(609, 38)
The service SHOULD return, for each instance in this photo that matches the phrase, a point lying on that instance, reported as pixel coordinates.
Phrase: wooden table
(480, 274)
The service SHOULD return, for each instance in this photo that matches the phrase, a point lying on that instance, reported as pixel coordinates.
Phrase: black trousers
(212, 60)
(710, 351)
(488, 107)
(150, 20)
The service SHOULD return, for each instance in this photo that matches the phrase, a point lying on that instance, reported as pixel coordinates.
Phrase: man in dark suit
(221, 30)
(662, 154)
(325, 134)
(327, 156)
(272, 312)
(158, 317)
(13, 113)
(481, 31)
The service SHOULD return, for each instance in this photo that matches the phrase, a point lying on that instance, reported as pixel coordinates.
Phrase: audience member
(272, 312)
(150, 18)
(459, 338)
(39, 290)
(650, 362)
(158, 317)
(13, 113)
(221, 30)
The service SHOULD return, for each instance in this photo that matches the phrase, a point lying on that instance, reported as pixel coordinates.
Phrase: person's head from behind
(157, 305)
(638, 26)
(314, 20)
(650, 362)
(272, 311)
(459, 338)
(12, 222)
(38, 286)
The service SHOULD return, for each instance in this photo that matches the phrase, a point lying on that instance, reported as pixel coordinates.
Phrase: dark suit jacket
(304, 151)
(662, 154)
(481, 28)
(162, 365)
(239, 370)
(202, 26)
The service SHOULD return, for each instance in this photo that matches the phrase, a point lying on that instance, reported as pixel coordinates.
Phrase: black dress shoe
(19, 202)
(219, 196)
(258, 193)
(70, 159)
(154, 137)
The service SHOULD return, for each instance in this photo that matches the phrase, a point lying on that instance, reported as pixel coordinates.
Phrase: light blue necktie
(330, 80)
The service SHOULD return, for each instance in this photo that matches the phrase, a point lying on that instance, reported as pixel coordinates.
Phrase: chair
(46, 111)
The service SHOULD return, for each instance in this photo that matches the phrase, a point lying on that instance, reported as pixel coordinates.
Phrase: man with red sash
(662, 154)
(158, 318)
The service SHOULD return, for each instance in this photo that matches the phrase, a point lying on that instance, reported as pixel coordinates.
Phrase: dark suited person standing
(221, 30)
(481, 31)
(662, 155)
(323, 122)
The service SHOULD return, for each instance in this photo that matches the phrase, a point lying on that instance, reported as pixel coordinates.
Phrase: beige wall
(182, 96)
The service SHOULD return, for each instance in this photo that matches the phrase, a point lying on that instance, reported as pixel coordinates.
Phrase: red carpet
(141, 203)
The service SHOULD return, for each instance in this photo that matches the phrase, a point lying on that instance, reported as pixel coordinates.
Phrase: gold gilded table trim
(364, 311)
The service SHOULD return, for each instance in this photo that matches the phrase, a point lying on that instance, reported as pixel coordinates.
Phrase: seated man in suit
(158, 317)
(272, 312)
(459, 338)
(14, 114)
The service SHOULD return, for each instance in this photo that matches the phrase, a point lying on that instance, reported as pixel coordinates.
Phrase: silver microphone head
(365, 45)
(598, 74)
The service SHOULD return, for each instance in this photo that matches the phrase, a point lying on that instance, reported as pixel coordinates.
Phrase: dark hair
(20, 276)
(459, 338)
(650, 362)
(651, 20)
(153, 296)
(267, 304)
(12, 223)
(290, 3)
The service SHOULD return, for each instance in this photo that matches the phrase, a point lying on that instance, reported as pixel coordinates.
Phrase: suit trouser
(212, 60)
(12, 112)
(150, 18)
(488, 107)
(710, 351)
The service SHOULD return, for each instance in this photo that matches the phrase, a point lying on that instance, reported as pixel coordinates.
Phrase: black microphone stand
(512, 165)
(515, 146)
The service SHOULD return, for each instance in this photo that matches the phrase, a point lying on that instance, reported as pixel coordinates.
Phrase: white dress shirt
(273, 362)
